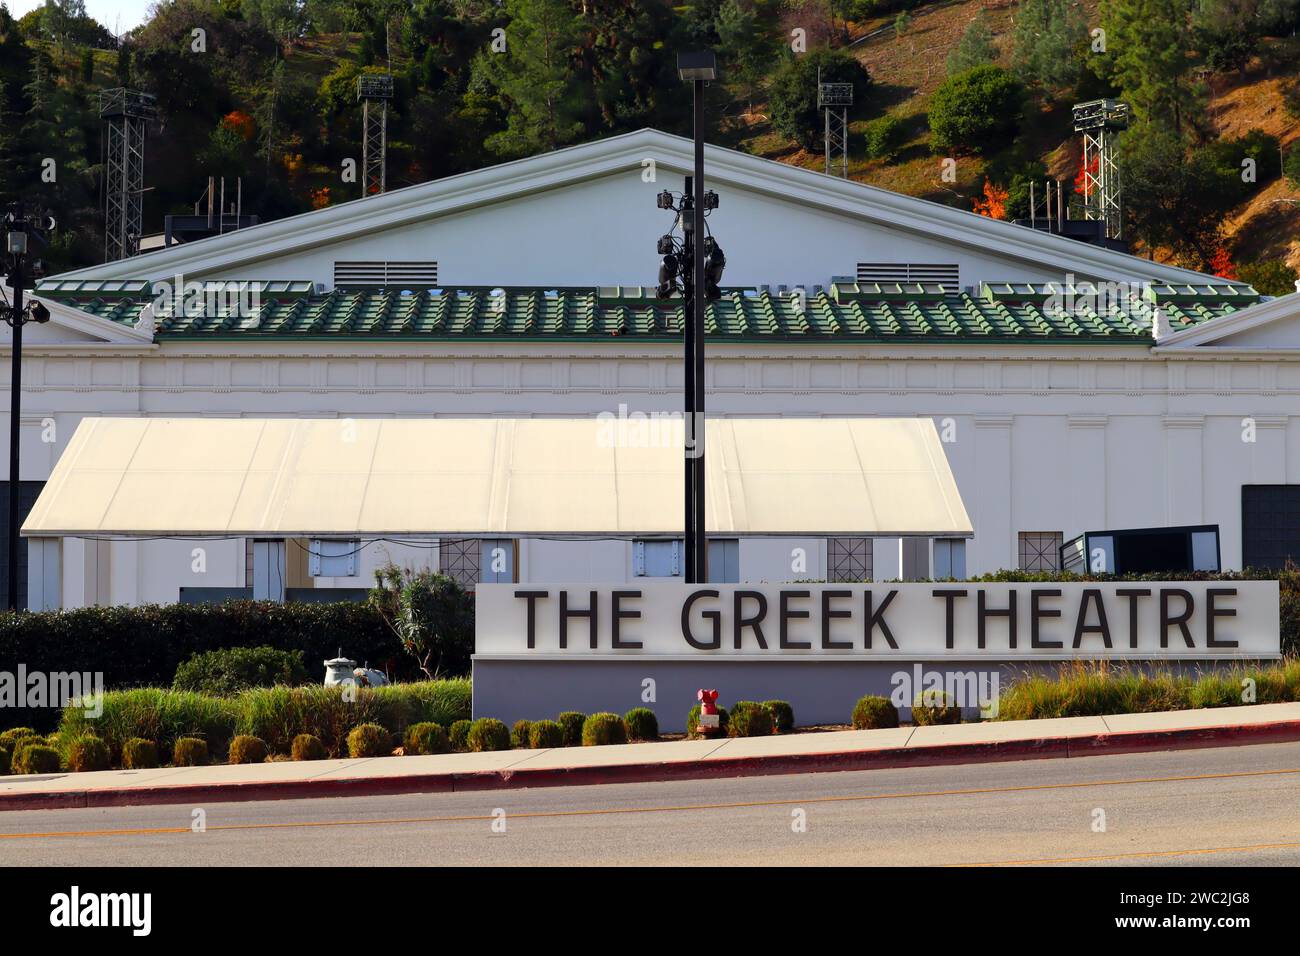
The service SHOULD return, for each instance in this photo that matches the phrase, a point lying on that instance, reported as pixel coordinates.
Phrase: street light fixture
(20, 231)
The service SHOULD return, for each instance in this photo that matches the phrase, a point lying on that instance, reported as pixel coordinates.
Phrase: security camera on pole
(20, 270)
(696, 261)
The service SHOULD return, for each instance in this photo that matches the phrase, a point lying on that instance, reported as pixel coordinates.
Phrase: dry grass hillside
(906, 70)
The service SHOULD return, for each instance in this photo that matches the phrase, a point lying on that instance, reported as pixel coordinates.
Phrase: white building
(526, 289)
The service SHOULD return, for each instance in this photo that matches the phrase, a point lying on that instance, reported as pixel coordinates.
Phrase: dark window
(1270, 525)
(27, 494)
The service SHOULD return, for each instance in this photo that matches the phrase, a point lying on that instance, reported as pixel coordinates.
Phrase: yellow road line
(605, 811)
(1130, 856)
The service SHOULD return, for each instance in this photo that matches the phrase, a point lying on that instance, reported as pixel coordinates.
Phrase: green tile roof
(846, 312)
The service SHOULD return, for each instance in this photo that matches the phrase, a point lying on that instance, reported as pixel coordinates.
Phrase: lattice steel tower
(834, 99)
(126, 114)
(374, 90)
(1103, 197)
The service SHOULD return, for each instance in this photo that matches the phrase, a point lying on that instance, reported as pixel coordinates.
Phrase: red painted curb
(940, 755)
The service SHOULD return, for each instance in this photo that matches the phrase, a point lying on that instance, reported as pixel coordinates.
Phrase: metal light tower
(374, 90)
(1103, 197)
(834, 99)
(126, 114)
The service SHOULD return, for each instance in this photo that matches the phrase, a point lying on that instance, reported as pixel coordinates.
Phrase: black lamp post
(19, 235)
(696, 68)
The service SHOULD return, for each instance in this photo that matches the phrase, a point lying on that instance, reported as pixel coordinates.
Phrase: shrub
(693, 728)
(487, 733)
(458, 735)
(642, 724)
(10, 736)
(571, 721)
(6, 758)
(935, 707)
(425, 738)
(1269, 277)
(431, 614)
(248, 749)
(139, 754)
(519, 733)
(33, 757)
(749, 719)
(190, 752)
(87, 752)
(975, 110)
(782, 715)
(232, 669)
(885, 136)
(1291, 165)
(369, 740)
(601, 729)
(874, 712)
(307, 747)
(545, 734)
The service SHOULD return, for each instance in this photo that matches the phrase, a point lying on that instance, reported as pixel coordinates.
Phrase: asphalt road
(1196, 807)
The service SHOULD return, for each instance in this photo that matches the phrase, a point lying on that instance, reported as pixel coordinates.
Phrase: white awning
(578, 477)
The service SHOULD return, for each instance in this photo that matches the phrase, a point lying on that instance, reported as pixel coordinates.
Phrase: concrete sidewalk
(677, 760)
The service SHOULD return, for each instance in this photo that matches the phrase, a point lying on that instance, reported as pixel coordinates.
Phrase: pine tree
(975, 48)
(1149, 46)
(535, 78)
(1048, 35)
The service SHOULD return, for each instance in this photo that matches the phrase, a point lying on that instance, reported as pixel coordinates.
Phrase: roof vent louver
(926, 273)
(418, 275)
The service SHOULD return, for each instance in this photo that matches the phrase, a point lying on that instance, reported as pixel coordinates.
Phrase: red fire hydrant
(708, 710)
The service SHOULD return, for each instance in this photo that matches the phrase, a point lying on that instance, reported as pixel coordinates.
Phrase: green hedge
(232, 669)
(143, 646)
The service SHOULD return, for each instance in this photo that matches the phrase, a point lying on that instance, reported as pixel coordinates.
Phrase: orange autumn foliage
(1221, 264)
(240, 122)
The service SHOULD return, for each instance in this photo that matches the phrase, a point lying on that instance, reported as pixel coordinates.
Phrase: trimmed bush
(782, 715)
(519, 733)
(935, 707)
(425, 738)
(749, 719)
(307, 747)
(885, 136)
(139, 754)
(10, 736)
(874, 712)
(369, 740)
(487, 733)
(87, 753)
(458, 735)
(693, 728)
(232, 669)
(6, 757)
(33, 757)
(976, 110)
(642, 724)
(248, 749)
(571, 721)
(190, 752)
(602, 729)
(545, 734)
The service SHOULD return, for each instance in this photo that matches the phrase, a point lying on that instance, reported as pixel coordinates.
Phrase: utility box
(1143, 550)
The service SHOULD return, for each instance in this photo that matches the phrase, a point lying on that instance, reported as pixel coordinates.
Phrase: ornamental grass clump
(874, 712)
(190, 752)
(642, 724)
(749, 719)
(693, 728)
(33, 755)
(458, 735)
(519, 733)
(425, 738)
(487, 733)
(935, 707)
(782, 715)
(602, 729)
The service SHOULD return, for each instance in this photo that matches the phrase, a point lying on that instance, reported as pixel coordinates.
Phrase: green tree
(1048, 37)
(748, 41)
(535, 78)
(431, 615)
(1269, 277)
(1148, 57)
(793, 93)
(975, 47)
(976, 110)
